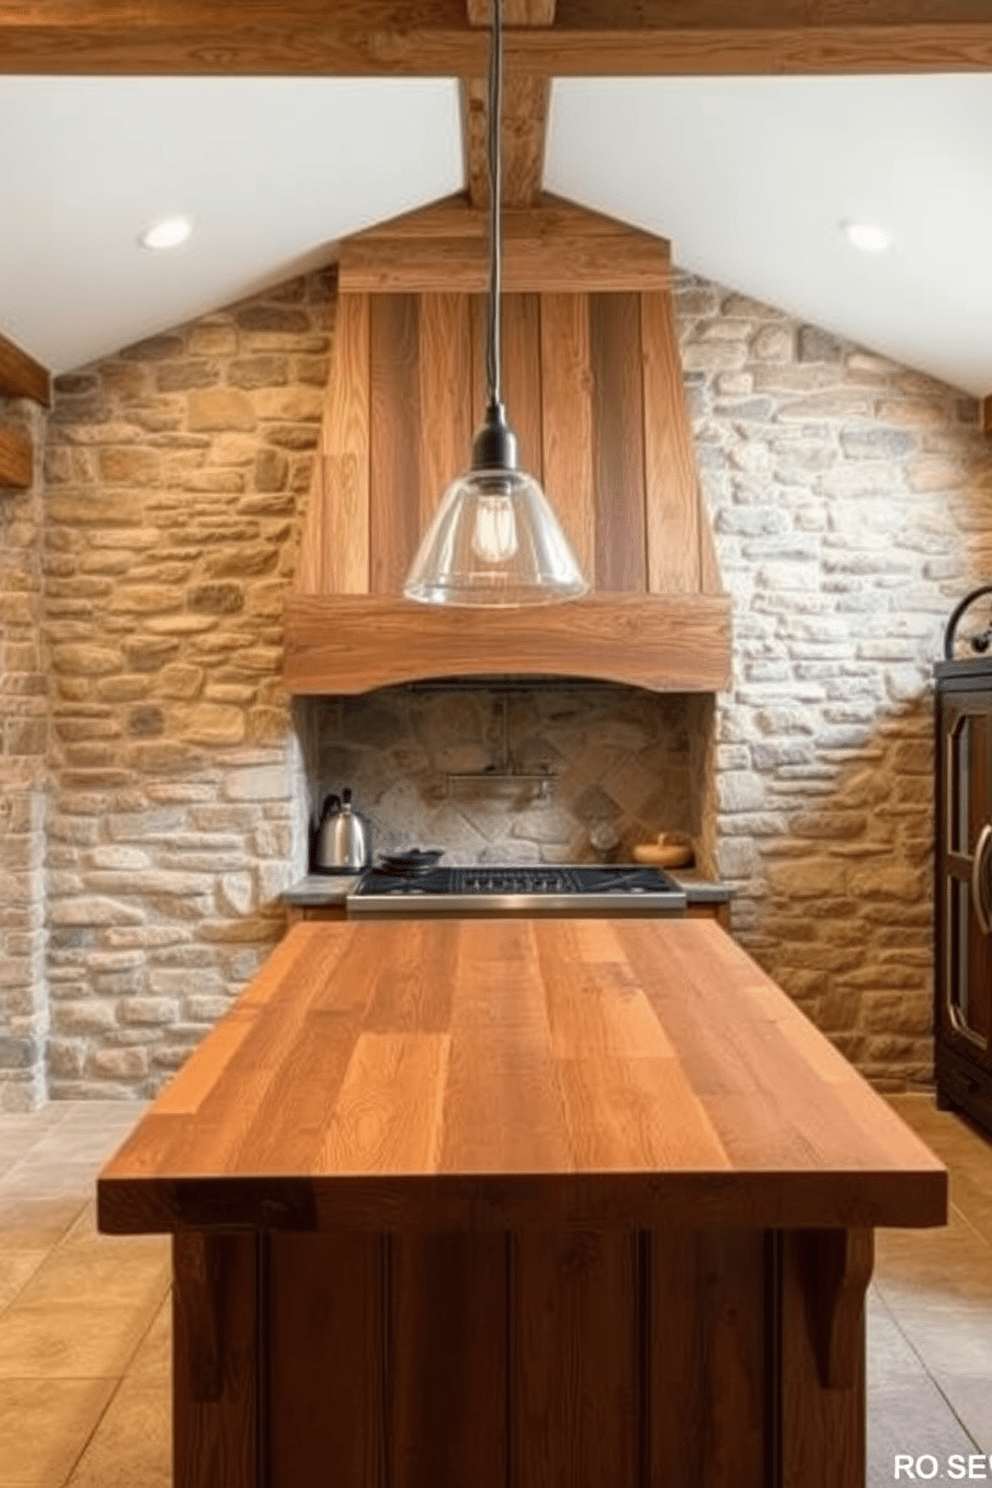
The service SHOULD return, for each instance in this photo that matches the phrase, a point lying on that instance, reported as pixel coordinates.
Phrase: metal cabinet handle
(984, 837)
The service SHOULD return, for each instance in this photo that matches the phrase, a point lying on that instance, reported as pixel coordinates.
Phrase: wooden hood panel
(593, 388)
(668, 643)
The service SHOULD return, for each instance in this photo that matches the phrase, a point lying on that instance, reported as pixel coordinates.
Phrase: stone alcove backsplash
(512, 772)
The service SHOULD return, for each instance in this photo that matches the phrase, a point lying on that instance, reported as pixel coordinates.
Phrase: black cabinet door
(964, 875)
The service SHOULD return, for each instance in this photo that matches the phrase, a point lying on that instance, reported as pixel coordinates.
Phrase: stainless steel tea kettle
(342, 839)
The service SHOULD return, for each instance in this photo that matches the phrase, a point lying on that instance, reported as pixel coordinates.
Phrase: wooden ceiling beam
(16, 461)
(21, 376)
(553, 246)
(525, 122)
(364, 38)
(524, 110)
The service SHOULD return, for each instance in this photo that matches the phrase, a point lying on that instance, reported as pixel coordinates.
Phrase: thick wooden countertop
(451, 1074)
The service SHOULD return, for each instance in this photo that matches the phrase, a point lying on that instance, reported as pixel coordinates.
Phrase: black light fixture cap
(495, 444)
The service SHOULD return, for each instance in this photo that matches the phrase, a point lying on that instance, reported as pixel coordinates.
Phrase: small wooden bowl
(664, 854)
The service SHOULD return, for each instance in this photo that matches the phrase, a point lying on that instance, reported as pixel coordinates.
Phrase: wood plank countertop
(479, 1074)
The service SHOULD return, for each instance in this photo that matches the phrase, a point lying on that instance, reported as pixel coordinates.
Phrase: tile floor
(84, 1319)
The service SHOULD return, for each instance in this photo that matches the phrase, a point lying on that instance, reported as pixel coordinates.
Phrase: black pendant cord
(493, 347)
(495, 446)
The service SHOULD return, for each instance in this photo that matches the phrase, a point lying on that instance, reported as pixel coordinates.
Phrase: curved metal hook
(956, 614)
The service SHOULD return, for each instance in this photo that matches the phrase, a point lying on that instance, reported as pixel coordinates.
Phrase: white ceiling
(749, 178)
(274, 172)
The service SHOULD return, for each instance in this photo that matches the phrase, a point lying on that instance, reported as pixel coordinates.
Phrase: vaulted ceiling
(749, 175)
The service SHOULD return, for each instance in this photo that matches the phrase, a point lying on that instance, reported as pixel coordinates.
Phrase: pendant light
(494, 540)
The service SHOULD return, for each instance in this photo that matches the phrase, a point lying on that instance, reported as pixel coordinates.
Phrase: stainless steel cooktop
(574, 890)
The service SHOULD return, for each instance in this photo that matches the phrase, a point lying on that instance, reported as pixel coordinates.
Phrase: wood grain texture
(554, 217)
(215, 1360)
(823, 1430)
(554, 246)
(326, 1316)
(345, 644)
(985, 414)
(309, 568)
(387, 265)
(593, 389)
(671, 482)
(515, 12)
(596, 38)
(446, 407)
(394, 459)
(521, 316)
(618, 442)
(765, 1124)
(448, 1360)
(711, 580)
(708, 1298)
(524, 111)
(574, 1359)
(525, 117)
(566, 385)
(837, 1269)
(16, 461)
(335, 550)
(21, 376)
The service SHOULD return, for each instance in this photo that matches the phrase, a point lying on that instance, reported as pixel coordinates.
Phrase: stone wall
(23, 748)
(518, 774)
(852, 502)
(174, 472)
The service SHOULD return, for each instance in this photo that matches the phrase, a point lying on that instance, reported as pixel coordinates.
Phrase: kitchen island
(550, 1204)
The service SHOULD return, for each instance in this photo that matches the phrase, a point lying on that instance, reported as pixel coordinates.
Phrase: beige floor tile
(69, 1341)
(16, 1267)
(36, 1223)
(91, 1144)
(118, 1113)
(974, 1202)
(84, 1233)
(103, 1277)
(12, 1150)
(951, 1264)
(911, 1417)
(970, 1397)
(132, 1447)
(47, 1178)
(964, 1147)
(890, 1358)
(153, 1362)
(949, 1340)
(44, 1426)
(36, 1121)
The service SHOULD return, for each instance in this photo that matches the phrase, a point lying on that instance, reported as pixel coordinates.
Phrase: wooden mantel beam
(435, 38)
(16, 460)
(21, 376)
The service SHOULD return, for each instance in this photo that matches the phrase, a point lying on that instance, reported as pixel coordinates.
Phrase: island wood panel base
(532, 1359)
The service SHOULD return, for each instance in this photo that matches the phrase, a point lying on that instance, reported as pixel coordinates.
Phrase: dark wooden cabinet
(963, 862)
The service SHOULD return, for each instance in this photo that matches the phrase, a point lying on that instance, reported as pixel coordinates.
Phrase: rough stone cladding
(23, 746)
(525, 774)
(852, 503)
(174, 472)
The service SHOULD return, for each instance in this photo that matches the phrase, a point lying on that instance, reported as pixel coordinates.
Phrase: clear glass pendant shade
(494, 541)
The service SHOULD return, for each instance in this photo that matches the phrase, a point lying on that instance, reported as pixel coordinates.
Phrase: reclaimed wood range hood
(593, 388)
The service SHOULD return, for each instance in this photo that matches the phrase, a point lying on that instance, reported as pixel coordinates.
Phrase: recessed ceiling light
(168, 233)
(867, 236)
